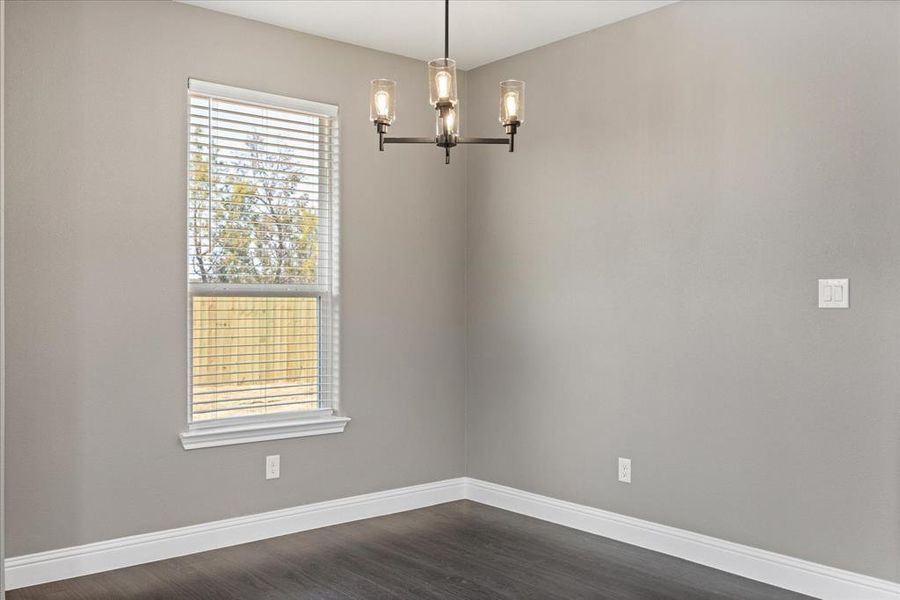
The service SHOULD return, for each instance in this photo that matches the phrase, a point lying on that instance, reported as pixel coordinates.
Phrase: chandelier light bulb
(512, 105)
(382, 103)
(443, 85)
(448, 123)
(451, 119)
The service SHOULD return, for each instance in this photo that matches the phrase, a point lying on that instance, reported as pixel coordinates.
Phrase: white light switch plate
(834, 293)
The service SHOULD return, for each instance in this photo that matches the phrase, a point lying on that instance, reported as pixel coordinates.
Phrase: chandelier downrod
(446, 29)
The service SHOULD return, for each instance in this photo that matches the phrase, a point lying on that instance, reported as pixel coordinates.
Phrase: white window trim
(244, 430)
(247, 430)
(235, 93)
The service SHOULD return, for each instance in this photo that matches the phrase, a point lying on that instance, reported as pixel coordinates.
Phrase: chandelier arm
(409, 140)
(431, 140)
(483, 141)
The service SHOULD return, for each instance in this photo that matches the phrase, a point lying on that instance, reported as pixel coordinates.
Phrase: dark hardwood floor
(455, 551)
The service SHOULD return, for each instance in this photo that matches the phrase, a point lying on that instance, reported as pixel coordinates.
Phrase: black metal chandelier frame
(447, 140)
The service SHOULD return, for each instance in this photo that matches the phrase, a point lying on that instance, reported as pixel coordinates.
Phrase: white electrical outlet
(625, 470)
(273, 466)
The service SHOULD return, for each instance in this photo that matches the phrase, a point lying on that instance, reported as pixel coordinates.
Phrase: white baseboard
(775, 569)
(779, 570)
(32, 569)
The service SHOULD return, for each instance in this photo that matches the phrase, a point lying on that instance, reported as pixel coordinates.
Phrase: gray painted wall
(96, 360)
(642, 275)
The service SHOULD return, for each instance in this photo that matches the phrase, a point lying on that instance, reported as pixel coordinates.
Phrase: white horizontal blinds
(260, 188)
(254, 355)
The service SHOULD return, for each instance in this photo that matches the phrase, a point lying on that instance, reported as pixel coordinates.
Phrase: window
(262, 266)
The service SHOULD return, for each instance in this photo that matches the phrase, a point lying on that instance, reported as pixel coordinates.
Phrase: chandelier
(442, 95)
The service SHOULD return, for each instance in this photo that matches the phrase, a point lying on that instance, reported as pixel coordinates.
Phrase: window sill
(209, 437)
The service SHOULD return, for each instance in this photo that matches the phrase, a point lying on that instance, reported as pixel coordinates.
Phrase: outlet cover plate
(625, 470)
(273, 466)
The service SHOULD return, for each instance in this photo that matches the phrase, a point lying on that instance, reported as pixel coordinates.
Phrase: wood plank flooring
(456, 551)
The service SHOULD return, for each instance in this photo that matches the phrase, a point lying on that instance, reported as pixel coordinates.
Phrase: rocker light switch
(834, 293)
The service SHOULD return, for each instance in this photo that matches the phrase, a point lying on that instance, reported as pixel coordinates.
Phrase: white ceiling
(481, 31)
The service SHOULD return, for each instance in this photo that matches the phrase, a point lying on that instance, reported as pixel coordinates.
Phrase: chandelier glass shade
(382, 101)
(512, 102)
(442, 81)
